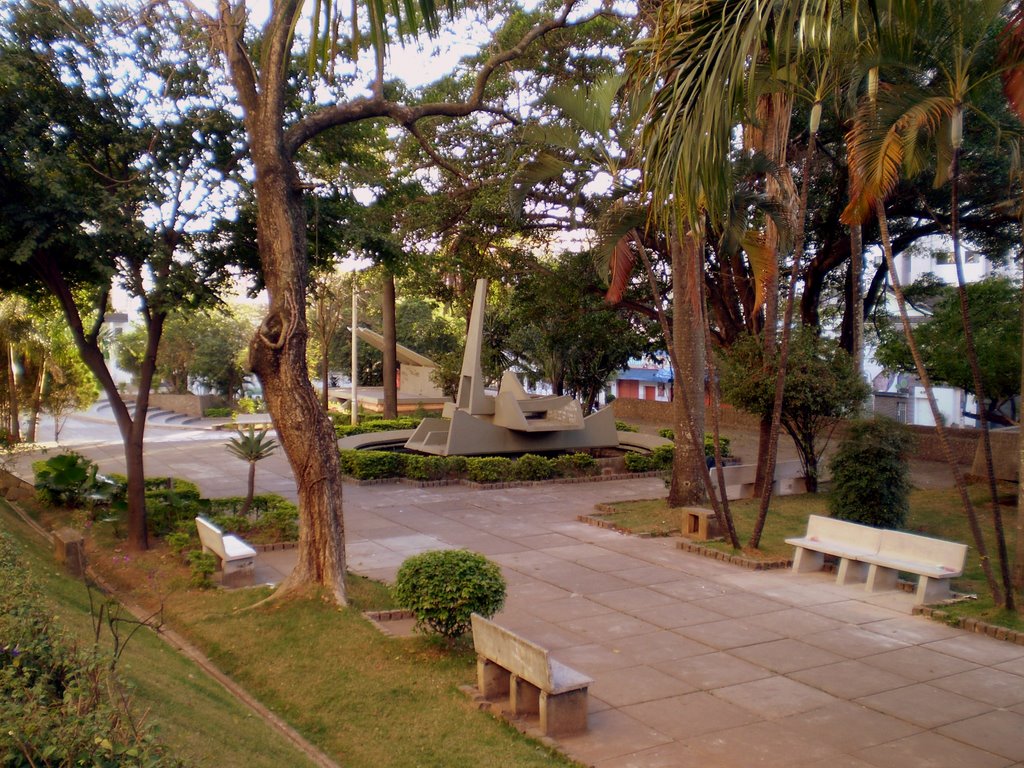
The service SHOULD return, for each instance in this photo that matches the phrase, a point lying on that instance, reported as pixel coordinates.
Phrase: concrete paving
(694, 662)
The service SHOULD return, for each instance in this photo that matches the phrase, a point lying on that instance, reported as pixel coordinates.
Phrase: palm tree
(949, 65)
(251, 447)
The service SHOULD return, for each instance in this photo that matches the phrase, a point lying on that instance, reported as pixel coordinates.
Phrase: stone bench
(237, 559)
(739, 479)
(875, 557)
(511, 666)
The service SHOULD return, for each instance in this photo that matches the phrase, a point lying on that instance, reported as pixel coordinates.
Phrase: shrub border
(497, 486)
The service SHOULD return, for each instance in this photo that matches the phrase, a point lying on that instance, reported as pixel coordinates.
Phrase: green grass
(937, 513)
(365, 699)
(191, 713)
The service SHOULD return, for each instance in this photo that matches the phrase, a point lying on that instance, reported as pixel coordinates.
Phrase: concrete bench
(237, 559)
(875, 557)
(739, 479)
(850, 542)
(511, 666)
(933, 561)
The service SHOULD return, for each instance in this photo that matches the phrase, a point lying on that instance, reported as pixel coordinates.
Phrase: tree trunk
(686, 487)
(780, 378)
(325, 372)
(940, 430)
(14, 424)
(390, 347)
(37, 403)
(1018, 566)
(775, 111)
(979, 390)
(250, 490)
(277, 354)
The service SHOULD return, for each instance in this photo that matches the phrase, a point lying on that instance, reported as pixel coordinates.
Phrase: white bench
(237, 559)
(511, 666)
(934, 561)
(739, 479)
(875, 557)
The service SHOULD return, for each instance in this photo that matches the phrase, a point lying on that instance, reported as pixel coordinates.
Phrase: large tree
(103, 179)
(259, 67)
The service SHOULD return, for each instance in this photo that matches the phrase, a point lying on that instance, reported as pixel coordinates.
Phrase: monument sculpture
(510, 421)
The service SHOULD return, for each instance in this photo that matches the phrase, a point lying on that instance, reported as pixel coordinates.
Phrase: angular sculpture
(511, 421)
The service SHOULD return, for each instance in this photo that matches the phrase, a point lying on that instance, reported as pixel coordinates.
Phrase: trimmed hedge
(709, 442)
(380, 465)
(344, 429)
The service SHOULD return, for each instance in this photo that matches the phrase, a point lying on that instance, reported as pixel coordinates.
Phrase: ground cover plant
(199, 722)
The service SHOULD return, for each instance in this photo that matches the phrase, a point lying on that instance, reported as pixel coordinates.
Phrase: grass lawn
(363, 698)
(935, 513)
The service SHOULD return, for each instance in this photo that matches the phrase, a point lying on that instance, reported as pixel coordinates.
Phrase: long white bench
(875, 557)
(237, 559)
(739, 479)
(512, 666)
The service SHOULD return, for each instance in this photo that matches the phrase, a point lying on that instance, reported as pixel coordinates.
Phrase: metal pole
(353, 402)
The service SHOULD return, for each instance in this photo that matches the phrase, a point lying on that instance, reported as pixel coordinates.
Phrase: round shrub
(443, 588)
(661, 457)
(871, 475)
(426, 468)
(532, 467)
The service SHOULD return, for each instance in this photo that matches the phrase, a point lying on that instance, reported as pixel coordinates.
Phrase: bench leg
(524, 697)
(931, 590)
(880, 579)
(492, 680)
(851, 572)
(563, 714)
(806, 561)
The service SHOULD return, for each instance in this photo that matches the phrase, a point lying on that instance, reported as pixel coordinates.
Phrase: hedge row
(376, 465)
(343, 429)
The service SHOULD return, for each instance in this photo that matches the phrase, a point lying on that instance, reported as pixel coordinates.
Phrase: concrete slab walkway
(695, 662)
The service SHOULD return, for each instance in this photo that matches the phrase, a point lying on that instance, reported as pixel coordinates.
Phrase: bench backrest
(737, 474)
(948, 555)
(211, 536)
(512, 652)
(853, 534)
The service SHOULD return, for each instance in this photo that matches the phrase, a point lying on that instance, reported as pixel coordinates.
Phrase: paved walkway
(695, 662)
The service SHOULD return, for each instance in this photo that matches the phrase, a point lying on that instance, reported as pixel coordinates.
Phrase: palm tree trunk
(14, 425)
(979, 390)
(940, 430)
(787, 320)
(37, 402)
(250, 491)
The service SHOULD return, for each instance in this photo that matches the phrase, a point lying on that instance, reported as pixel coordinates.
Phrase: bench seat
(236, 558)
(875, 557)
(511, 666)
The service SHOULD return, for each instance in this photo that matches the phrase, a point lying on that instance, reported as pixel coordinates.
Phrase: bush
(489, 469)
(443, 588)
(426, 468)
(251, 405)
(203, 565)
(661, 457)
(576, 465)
(60, 704)
(65, 480)
(373, 465)
(709, 442)
(871, 475)
(218, 413)
(532, 467)
(638, 462)
(343, 429)
(621, 426)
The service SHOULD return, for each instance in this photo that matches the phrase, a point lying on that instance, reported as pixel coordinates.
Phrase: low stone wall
(13, 488)
(192, 405)
(961, 441)
(653, 412)
(1005, 455)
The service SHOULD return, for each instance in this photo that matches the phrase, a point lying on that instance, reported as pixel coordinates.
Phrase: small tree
(822, 387)
(251, 447)
(871, 475)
